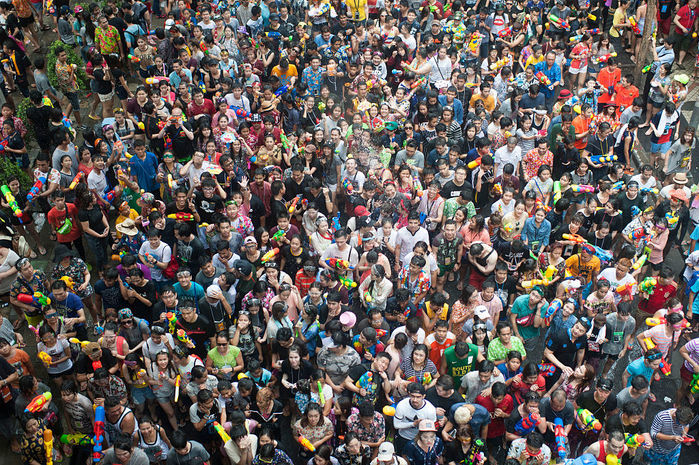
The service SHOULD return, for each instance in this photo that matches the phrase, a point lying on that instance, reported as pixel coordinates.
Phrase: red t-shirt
(687, 18)
(607, 79)
(496, 428)
(205, 108)
(657, 300)
(58, 218)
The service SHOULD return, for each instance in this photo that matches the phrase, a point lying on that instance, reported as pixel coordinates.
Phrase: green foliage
(9, 169)
(22, 114)
(73, 57)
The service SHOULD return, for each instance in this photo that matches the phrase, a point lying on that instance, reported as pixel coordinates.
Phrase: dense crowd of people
(347, 233)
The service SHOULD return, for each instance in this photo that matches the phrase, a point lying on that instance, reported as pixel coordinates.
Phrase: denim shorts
(660, 148)
(140, 395)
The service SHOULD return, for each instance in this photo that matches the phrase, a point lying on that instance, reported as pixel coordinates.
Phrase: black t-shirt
(190, 254)
(158, 308)
(257, 210)
(139, 309)
(208, 208)
(443, 402)
(182, 146)
(565, 349)
(39, 117)
(504, 290)
(626, 204)
(200, 331)
(111, 296)
(293, 263)
(357, 371)
(83, 364)
(614, 423)
(278, 208)
(104, 87)
(451, 190)
(215, 313)
(304, 371)
(586, 400)
(293, 188)
(93, 217)
(616, 222)
(172, 208)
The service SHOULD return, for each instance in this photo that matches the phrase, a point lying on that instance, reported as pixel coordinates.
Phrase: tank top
(114, 429)
(602, 457)
(157, 450)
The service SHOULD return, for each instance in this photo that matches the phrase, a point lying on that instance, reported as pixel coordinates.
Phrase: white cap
(386, 452)
(481, 312)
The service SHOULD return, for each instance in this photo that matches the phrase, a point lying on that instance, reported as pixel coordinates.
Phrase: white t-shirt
(97, 182)
(610, 275)
(504, 156)
(407, 240)
(9, 263)
(162, 254)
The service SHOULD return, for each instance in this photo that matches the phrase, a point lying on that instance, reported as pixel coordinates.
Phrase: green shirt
(497, 351)
(451, 205)
(520, 307)
(458, 367)
(228, 360)
(556, 131)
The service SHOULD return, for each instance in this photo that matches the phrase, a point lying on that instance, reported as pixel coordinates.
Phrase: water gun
(77, 439)
(278, 235)
(634, 25)
(68, 280)
(694, 386)
(270, 255)
(35, 330)
(273, 35)
(240, 113)
(45, 358)
(99, 434)
(109, 196)
(171, 321)
(180, 216)
(347, 185)
(37, 298)
(347, 282)
(589, 420)
(294, 203)
(336, 222)
(671, 219)
(117, 258)
(38, 402)
(526, 425)
(576, 38)
(544, 79)
(651, 321)
(281, 91)
(648, 285)
(75, 340)
(555, 306)
(365, 381)
(634, 440)
(547, 369)
(649, 190)
(603, 158)
(558, 22)
(11, 201)
(418, 83)
(499, 64)
(418, 186)
(183, 337)
(321, 396)
(156, 80)
(133, 58)
(639, 262)
(624, 289)
(284, 140)
(76, 180)
(48, 446)
(425, 379)
(476, 453)
(474, 164)
(474, 42)
(665, 368)
(36, 188)
(647, 68)
(578, 188)
(534, 282)
(604, 58)
(561, 438)
(507, 32)
(649, 343)
(575, 238)
(306, 443)
(602, 254)
(592, 32)
(178, 380)
(339, 264)
(612, 459)
(221, 432)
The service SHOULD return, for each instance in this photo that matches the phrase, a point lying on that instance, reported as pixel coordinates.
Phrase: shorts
(665, 23)
(73, 99)
(140, 395)
(660, 148)
(106, 97)
(685, 374)
(655, 104)
(24, 22)
(34, 320)
(69, 371)
(572, 70)
(444, 269)
(682, 41)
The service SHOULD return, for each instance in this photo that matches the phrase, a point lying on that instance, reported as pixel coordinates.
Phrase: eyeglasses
(126, 322)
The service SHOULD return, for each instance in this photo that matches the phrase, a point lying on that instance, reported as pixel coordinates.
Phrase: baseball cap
(360, 210)
(482, 312)
(386, 451)
(348, 319)
(427, 425)
(212, 290)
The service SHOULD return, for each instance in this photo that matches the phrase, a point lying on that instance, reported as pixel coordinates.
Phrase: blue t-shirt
(638, 367)
(68, 308)
(194, 293)
(145, 170)
(479, 419)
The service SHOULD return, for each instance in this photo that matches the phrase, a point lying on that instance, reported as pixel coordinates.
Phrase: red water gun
(665, 368)
(507, 32)
(98, 429)
(558, 22)
(544, 79)
(241, 113)
(76, 180)
(294, 203)
(109, 196)
(181, 216)
(339, 264)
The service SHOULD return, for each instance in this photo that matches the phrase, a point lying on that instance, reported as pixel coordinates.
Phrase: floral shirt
(33, 446)
(76, 271)
(35, 284)
(107, 40)
(451, 205)
(344, 457)
(313, 79)
(66, 82)
(315, 433)
(114, 388)
(280, 458)
(243, 225)
(373, 433)
(533, 160)
(420, 285)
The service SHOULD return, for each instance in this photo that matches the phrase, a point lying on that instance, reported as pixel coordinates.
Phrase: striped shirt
(666, 424)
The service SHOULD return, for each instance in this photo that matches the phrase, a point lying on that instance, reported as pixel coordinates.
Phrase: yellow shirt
(619, 18)
(357, 9)
(532, 60)
(133, 214)
(285, 77)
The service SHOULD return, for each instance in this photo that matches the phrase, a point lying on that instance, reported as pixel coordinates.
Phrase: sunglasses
(126, 322)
